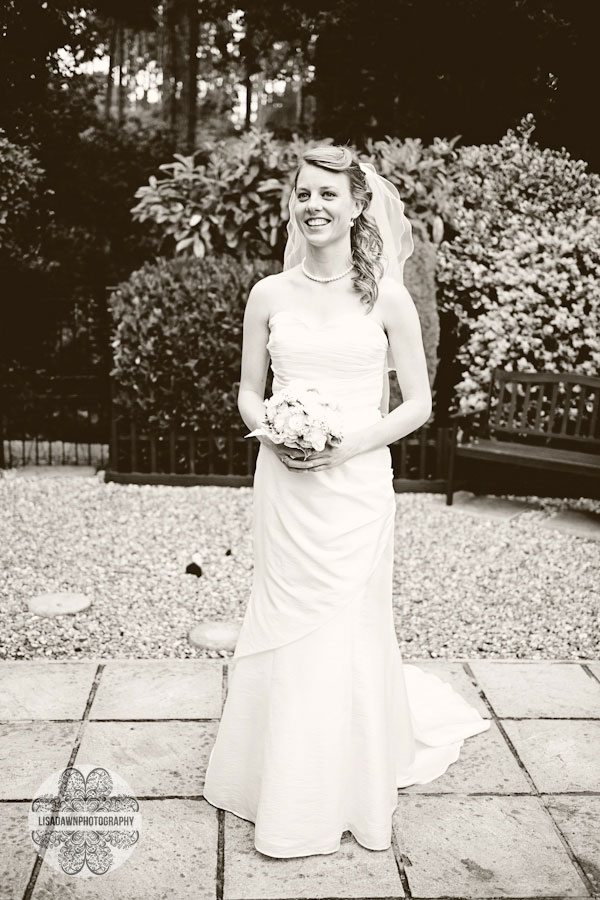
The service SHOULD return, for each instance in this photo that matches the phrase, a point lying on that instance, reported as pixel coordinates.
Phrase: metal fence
(71, 420)
(419, 460)
(55, 419)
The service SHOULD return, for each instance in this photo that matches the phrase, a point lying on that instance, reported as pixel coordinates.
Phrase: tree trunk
(162, 60)
(193, 23)
(300, 97)
(111, 65)
(260, 96)
(121, 87)
(173, 60)
(132, 66)
(248, 84)
(143, 56)
(170, 64)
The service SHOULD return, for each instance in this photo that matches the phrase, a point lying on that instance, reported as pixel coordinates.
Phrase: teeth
(317, 221)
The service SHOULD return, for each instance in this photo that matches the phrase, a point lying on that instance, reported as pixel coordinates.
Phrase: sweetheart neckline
(308, 325)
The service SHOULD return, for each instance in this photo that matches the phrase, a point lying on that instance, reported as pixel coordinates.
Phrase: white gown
(323, 722)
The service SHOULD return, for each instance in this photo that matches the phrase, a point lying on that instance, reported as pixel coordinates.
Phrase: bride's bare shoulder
(265, 291)
(274, 282)
(270, 286)
(391, 287)
(392, 294)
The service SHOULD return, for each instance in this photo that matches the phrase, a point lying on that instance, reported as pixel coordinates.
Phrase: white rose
(295, 423)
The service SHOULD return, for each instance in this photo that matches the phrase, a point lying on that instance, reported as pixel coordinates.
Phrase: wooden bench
(533, 419)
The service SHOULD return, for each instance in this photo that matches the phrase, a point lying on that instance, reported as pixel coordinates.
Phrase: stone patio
(517, 816)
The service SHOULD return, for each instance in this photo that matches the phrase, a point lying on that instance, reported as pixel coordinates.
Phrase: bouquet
(298, 416)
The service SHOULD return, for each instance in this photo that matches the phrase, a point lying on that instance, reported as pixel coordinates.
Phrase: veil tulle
(386, 209)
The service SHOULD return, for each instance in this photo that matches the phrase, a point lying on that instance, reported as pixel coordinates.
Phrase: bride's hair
(365, 240)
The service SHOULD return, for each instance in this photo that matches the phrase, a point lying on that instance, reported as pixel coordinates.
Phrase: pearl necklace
(323, 280)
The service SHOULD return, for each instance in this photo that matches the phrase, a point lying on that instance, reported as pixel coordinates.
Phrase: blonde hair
(365, 240)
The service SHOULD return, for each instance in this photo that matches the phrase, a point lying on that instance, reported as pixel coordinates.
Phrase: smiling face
(324, 205)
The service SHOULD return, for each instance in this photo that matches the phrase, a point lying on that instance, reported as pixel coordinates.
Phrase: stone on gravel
(215, 635)
(464, 586)
(58, 604)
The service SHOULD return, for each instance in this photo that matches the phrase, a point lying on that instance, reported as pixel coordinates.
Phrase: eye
(331, 194)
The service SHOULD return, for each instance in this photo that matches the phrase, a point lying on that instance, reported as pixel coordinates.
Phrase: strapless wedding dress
(323, 722)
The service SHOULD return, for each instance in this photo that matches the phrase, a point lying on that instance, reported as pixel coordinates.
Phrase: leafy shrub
(176, 338)
(419, 275)
(21, 190)
(65, 227)
(232, 197)
(421, 175)
(96, 182)
(522, 275)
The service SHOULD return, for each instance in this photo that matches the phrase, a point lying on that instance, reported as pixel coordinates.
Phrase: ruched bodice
(345, 358)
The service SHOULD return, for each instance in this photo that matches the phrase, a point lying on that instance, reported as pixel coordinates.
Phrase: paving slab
(41, 690)
(559, 755)
(490, 507)
(594, 668)
(486, 765)
(175, 857)
(538, 689)
(579, 820)
(30, 752)
(154, 758)
(454, 673)
(582, 523)
(476, 847)
(159, 689)
(353, 871)
(18, 855)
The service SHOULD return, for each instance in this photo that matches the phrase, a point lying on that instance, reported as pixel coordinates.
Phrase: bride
(323, 722)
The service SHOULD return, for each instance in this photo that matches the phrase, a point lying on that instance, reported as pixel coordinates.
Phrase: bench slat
(540, 405)
(527, 455)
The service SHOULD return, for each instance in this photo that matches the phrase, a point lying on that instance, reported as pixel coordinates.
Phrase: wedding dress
(323, 722)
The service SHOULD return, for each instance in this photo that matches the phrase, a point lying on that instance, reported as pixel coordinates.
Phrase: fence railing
(419, 460)
(70, 419)
(64, 415)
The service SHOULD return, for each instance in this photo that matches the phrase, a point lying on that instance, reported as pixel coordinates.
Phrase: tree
(441, 67)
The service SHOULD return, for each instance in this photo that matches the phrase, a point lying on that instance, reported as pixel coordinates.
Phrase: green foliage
(421, 175)
(232, 197)
(522, 275)
(93, 238)
(21, 192)
(79, 230)
(177, 337)
(419, 276)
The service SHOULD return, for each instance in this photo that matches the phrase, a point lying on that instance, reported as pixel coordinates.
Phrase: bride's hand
(284, 453)
(330, 456)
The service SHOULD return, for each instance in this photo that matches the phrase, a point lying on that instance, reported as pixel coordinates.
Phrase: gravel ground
(464, 586)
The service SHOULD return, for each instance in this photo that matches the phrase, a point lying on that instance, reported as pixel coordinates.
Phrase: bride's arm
(384, 406)
(403, 327)
(255, 356)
